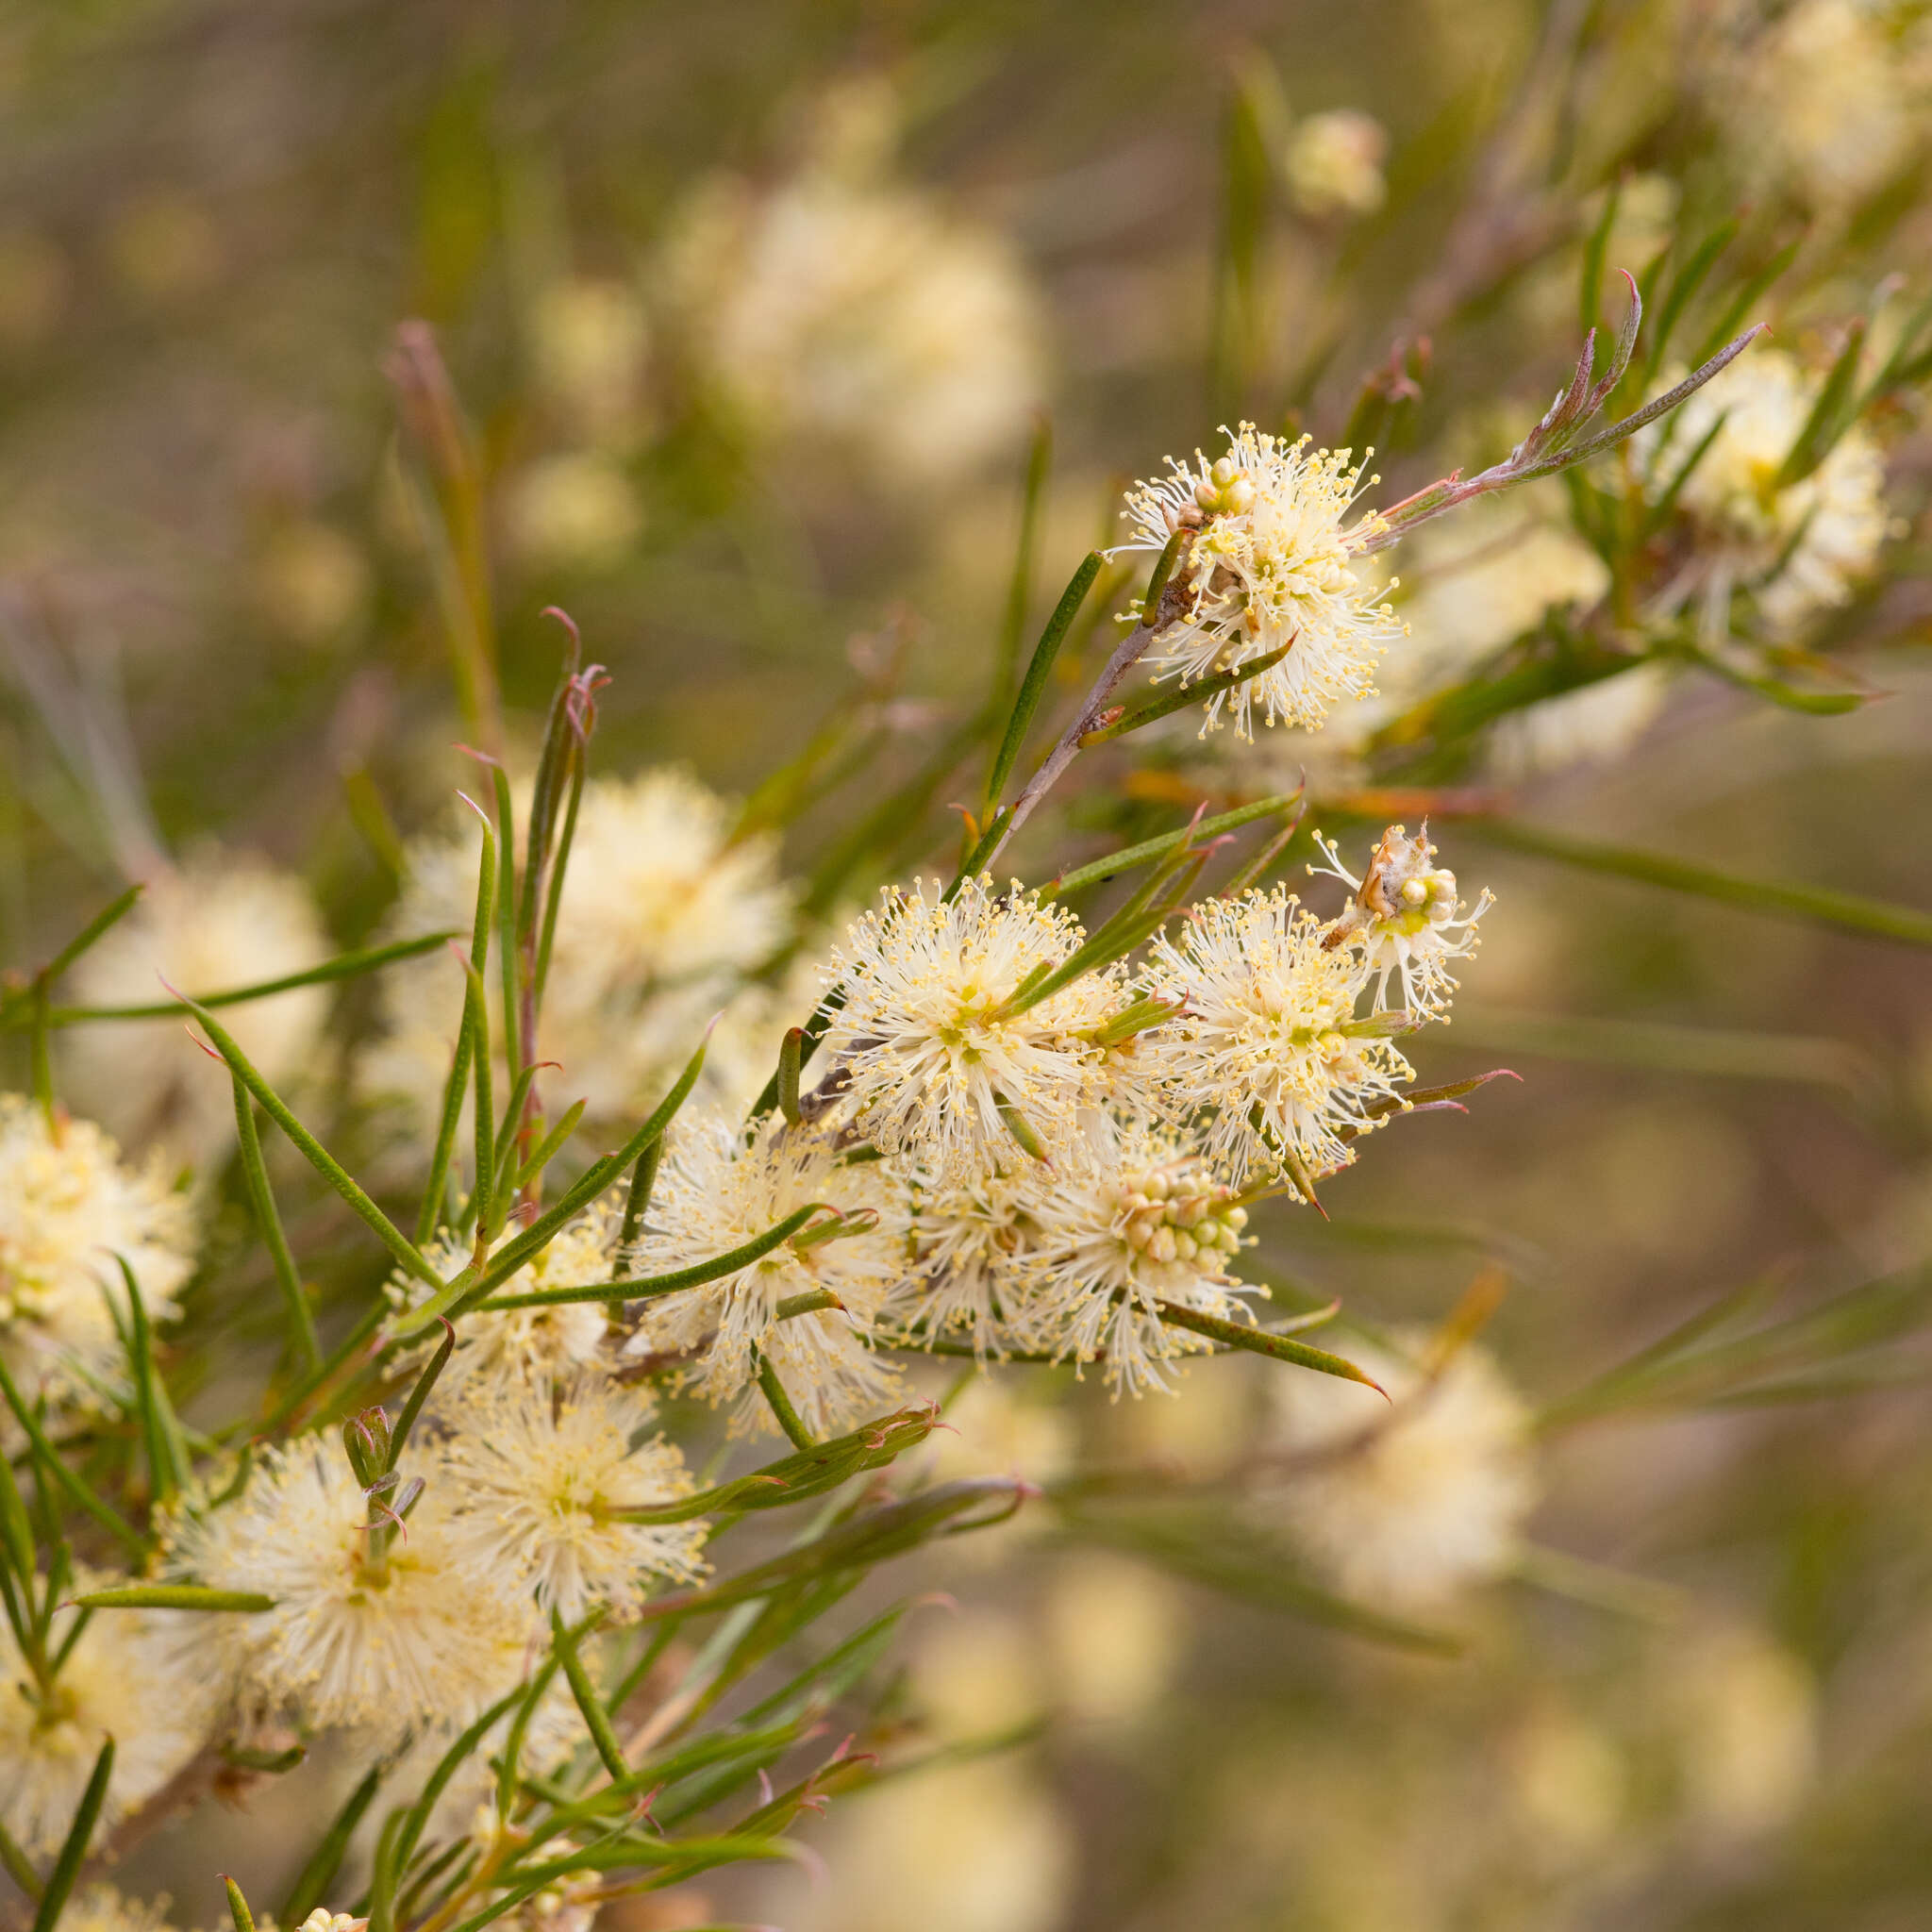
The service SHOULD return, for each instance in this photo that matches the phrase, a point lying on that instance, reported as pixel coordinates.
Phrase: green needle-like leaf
(465, 1292)
(48, 1460)
(1033, 687)
(1019, 587)
(596, 1720)
(174, 1596)
(410, 1832)
(73, 1849)
(167, 1460)
(1101, 870)
(1178, 697)
(947, 1510)
(346, 966)
(268, 1222)
(313, 1881)
(816, 1469)
(1810, 905)
(1259, 1341)
(637, 1287)
(19, 1867)
(238, 1906)
(318, 1157)
(780, 1406)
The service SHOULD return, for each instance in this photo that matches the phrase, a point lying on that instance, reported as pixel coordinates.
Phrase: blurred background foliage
(754, 313)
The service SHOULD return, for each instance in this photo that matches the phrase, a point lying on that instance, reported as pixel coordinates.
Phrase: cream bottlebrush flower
(717, 1191)
(1408, 1505)
(589, 340)
(928, 1047)
(1273, 561)
(574, 510)
(385, 1641)
(1486, 577)
(511, 1348)
(220, 919)
(839, 308)
(1823, 100)
(661, 915)
(1802, 548)
(128, 1676)
(1115, 1241)
(68, 1206)
(101, 1908)
(1407, 918)
(543, 1477)
(1268, 1048)
(1334, 164)
(976, 1261)
(1593, 724)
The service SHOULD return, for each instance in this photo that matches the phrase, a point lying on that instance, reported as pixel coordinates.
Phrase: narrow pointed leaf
(48, 1458)
(1810, 905)
(346, 966)
(859, 1542)
(316, 1876)
(590, 1705)
(1033, 687)
(312, 1150)
(174, 1596)
(305, 1349)
(53, 1894)
(1101, 870)
(1181, 696)
(812, 1472)
(638, 1287)
(780, 1404)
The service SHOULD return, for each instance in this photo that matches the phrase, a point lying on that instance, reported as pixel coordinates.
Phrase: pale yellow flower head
(1409, 1503)
(926, 1041)
(1267, 1050)
(842, 309)
(662, 915)
(380, 1644)
(542, 1476)
(69, 1205)
(1119, 1237)
(1823, 103)
(1273, 563)
(1800, 547)
(1334, 164)
(718, 1190)
(220, 919)
(1405, 915)
(128, 1676)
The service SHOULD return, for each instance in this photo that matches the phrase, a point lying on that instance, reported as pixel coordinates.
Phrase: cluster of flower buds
(1179, 1212)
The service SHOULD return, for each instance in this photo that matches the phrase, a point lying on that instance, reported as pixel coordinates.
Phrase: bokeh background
(755, 313)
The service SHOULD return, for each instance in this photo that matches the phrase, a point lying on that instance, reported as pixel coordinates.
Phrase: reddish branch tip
(564, 618)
